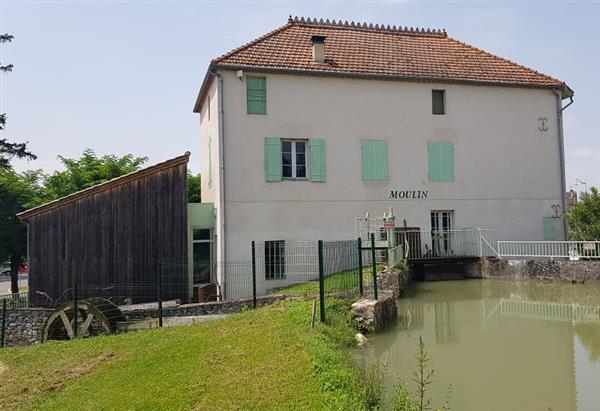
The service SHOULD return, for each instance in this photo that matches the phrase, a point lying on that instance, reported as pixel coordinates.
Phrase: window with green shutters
(374, 160)
(317, 159)
(273, 163)
(441, 161)
(287, 159)
(256, 95)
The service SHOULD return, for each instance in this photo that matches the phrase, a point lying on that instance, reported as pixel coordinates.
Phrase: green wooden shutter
(441, 161)
(256, 95)
(317, 159)
(272, 159)
(374, 160)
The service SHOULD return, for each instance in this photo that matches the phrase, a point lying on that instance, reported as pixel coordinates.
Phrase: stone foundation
(557, 270)
(391, 281)
(373, 315)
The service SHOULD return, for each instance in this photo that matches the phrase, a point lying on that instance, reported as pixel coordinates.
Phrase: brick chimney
(318, 48)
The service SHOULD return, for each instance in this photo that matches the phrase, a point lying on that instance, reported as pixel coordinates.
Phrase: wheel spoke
(86, 324)
(98, 316)
(67, 324)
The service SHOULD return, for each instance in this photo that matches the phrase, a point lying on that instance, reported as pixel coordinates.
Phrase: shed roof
(107, 185)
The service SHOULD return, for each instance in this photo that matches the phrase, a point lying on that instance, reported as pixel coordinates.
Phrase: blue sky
(122, 76)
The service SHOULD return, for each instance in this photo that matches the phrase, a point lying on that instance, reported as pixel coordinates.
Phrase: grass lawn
(268, 358)
(338, 282)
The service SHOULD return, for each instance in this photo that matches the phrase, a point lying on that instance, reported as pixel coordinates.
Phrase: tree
(193, 188)
(88, 171)
(584, 218)
(10, 150)
(18, 192)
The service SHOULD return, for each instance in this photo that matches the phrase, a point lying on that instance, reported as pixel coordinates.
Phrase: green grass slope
(268, 358)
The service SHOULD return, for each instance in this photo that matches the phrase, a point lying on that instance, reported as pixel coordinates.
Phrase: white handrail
(573, 250)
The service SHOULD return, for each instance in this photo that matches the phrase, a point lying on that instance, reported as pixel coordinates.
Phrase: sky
(122, 76)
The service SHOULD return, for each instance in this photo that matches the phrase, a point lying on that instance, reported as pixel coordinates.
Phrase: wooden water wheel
(95, 316)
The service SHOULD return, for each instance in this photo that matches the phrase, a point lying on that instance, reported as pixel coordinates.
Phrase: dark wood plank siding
(114, 241)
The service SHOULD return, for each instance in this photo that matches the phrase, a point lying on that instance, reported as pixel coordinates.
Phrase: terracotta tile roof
(380, 50)
(377, 51)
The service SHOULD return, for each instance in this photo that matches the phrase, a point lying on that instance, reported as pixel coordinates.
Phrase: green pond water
(502, 345)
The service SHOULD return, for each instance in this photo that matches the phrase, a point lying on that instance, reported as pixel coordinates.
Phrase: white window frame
(294, 165)
(275, 249)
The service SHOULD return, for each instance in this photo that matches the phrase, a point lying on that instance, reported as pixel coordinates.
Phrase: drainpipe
(221, 238)
(561, 148)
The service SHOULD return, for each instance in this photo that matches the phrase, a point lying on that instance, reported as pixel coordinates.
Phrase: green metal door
(551, 228)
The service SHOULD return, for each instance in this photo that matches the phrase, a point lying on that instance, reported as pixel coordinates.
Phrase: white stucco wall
(210, 182)
(507, 171)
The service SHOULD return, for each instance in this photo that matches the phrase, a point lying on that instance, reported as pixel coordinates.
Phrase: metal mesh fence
(168, 294)
(20, 300)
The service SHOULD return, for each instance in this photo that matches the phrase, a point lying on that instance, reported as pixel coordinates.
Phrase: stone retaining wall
(562, 270)
(374, 315)
(390, 280)
(24, 326)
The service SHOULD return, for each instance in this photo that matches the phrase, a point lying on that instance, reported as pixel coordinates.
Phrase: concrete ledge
(197, 309)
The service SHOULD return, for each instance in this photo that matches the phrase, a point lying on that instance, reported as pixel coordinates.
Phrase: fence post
(374, 265)
(360, 266)
(75, 308)
(321, 282)
(3, 323)
(159, 296)
(253, 274)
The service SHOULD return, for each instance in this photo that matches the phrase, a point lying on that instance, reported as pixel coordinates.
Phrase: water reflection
(501, 344)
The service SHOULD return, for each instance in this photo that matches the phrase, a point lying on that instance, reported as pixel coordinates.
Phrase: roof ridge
(69, 198)
(506, 60)
(367, 26)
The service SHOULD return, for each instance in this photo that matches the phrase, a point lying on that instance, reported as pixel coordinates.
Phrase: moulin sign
(408, 194)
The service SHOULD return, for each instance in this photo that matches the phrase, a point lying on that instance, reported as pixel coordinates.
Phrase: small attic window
(438, 102)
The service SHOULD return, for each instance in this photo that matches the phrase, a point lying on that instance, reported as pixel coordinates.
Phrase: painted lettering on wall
(408, 194)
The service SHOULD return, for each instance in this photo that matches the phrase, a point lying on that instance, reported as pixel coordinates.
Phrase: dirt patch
(3, 368)
(80, 370)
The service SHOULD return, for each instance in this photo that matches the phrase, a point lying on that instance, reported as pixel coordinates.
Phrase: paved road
(5, 283)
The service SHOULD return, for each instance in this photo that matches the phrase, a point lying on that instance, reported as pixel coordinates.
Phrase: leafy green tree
(88, 171)
(584, 218)
(18, 192)
(10, 150)
(193, 188)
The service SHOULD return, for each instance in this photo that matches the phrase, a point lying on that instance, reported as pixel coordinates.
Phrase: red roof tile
(358, 49)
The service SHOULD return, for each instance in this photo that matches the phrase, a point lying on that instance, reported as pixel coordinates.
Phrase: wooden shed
(113, 239)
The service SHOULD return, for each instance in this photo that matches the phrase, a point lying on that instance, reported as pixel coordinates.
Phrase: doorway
(202, 252)
(442, 224)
